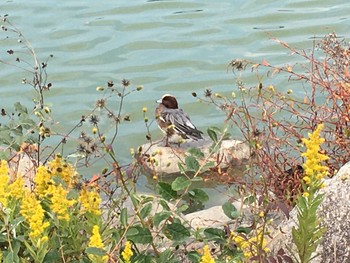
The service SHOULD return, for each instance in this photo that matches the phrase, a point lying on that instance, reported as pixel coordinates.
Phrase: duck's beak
(159, 101)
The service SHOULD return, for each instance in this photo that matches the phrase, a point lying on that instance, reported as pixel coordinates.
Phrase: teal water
(176, 47)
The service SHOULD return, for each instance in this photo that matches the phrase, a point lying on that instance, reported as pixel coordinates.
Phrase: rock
(214, 216)
(166, 159)
(211, 217)
(335, 213)
(21, 164)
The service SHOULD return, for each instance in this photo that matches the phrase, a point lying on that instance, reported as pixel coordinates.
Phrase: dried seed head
(125, 82)
(101, 103)
(94, 119)
(207, 93)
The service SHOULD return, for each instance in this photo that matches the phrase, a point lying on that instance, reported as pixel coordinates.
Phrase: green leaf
(180, 183)
(212, 134)
(198, 195)
(166, 191)
(20, 108)
(230, 210)
(194, 256)
(11, 258)
(195, 152)
(58, 180)
(142, 258)
(197, 179)
(181, 168)
(95, 251)
(27, 122)
(135, 200)
(147, 199)
(182, 208)
(52, 257)
(164, 204)
(241, 229)
(15, 222)
(249, 200)
(166, 256)
(215, 234)
(124, 217)
(146, 210)
(18, 130)
(192, 163)
(73, 194)
(208, 165)
(4, 155)
(138, 234)
(161, 216)
(176, 232)
(5, 136)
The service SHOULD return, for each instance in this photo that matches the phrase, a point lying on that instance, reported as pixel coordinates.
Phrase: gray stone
(166, 159)
(335, 213)
(215, 216)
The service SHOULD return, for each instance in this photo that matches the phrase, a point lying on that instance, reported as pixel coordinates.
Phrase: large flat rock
(166, 159)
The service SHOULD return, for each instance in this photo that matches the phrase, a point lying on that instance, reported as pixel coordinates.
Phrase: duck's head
(169, 101)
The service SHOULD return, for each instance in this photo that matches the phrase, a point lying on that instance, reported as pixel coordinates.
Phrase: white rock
(231, 153)
(335, 213)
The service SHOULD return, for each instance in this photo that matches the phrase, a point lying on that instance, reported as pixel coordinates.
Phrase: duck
(174, 121)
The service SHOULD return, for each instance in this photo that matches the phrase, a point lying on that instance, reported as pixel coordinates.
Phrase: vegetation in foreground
(52, 214)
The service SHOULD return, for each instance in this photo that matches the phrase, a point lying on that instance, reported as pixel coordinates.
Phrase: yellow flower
(306, 194)
(313, 165)
(144, 109)
(4, 179)
(33, 213)
(41, 180)
(3, 168)
(96, 241)
(59, 202)
(127, 252)
(59, 167)
(16, 189)
(90, 201)
(307, 179)
(261, 214)
(207, 257)
(251, 247)
(94, 130)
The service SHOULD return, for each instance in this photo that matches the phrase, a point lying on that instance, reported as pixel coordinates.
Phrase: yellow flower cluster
(33, 213)
(314, 170)
(41, 180)
(57, 167)
(96, 241)
(90, 201)
(16, 189)
(127, 252)
(207, 257)
(57, 194)
(3, 167)
(4, 179)
(60, 168)
(59, 202)
(51, 189)
(253, 246)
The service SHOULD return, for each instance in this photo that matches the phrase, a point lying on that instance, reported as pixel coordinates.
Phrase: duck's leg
(167, 140)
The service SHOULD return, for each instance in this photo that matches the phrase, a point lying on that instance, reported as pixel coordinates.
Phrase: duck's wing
(182, 123)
